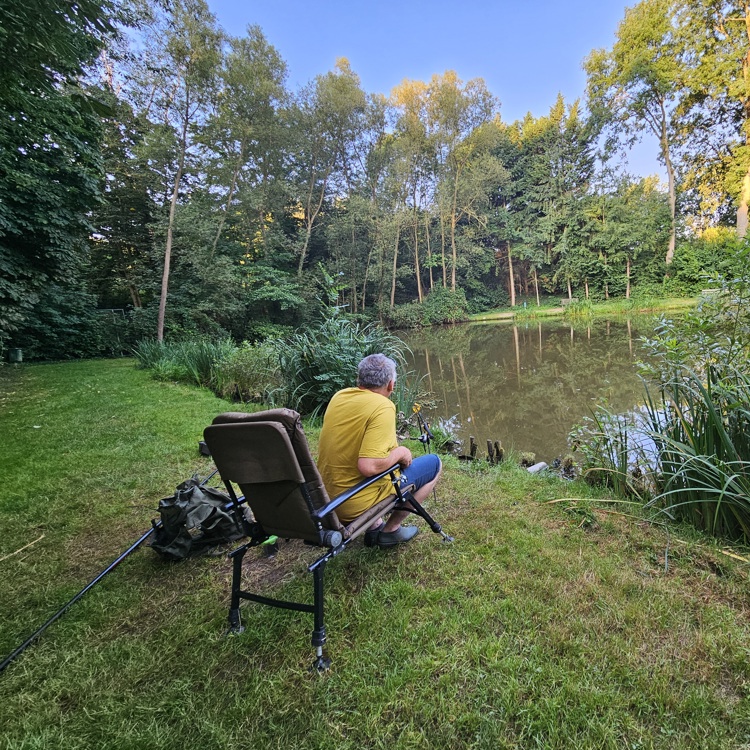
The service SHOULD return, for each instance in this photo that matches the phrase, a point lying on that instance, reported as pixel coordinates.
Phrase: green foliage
(65, 324)
(50, 169)
(445, 306)
(196, 361)
(702, 435)
(696, 446)
(440, 306)
(319, 361)
(251, 373)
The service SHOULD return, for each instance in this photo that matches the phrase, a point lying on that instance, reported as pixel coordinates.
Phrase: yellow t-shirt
(357, 424)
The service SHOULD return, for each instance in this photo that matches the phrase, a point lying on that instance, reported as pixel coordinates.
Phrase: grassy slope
(612, 307)
(537, 628)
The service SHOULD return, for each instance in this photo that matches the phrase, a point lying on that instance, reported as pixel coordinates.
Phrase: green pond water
(527, 385)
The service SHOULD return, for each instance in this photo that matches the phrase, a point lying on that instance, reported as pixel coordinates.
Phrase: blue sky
(526, 50)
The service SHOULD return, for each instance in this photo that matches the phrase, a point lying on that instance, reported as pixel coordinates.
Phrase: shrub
(251, 373)
(196, 361)
(409, 315)
(317, 362)
(445, 306)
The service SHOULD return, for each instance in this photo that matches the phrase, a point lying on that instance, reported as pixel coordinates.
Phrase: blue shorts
(421, 471)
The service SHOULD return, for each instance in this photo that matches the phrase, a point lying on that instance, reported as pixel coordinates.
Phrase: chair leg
(321, 663)
(235, 623)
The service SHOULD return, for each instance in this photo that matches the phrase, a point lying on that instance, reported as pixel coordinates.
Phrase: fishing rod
(425, 435)
(155, 525)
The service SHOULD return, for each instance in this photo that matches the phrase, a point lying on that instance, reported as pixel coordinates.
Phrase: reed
(703, 439)
(195, 361)
(318, 361)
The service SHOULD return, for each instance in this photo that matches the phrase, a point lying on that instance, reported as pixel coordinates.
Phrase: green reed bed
(702, 434)
(532, 630)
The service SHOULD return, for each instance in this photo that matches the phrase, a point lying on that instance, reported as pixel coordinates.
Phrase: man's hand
(400, 455)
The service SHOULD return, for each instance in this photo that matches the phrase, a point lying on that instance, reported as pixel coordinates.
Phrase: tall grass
(195, 361)
(703, 439)
(616, 453)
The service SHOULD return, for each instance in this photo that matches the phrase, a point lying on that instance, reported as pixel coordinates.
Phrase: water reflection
(527, 385)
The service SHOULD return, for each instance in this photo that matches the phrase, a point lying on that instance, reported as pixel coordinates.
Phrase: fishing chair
(267, 456)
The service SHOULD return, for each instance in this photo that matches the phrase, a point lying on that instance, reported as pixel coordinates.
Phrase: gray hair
(376, 371)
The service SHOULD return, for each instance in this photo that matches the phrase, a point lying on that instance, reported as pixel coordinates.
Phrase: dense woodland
(158, 178)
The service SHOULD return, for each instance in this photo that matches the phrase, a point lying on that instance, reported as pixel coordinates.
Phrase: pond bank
(556, 618)
(598, 309)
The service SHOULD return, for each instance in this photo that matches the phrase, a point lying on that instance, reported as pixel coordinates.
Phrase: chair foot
(235, 625)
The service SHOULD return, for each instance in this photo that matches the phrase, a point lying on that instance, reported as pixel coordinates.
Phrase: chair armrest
(350, 493)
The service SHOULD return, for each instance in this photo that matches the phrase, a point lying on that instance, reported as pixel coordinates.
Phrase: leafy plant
(251, 373)
(196, 361)
(703, 439)
(317, 362)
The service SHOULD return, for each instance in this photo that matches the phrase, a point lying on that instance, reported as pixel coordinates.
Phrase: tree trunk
(671, 186)
(429, 251)
(586, 283)
(627, 278)
(417, 270)
(232, 187)
(742, 210)
(570, 289)
(170, 226)
(395, 266)
(511, 280)
(135, 296)
(442, 244)
(536, 288)
(311, 214)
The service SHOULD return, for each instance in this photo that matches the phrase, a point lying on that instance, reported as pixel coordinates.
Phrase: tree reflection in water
(527, 385)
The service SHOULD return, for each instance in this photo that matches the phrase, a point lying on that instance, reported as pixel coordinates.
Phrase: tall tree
(327, 119)
(245, 131)
(457, 111)
(715, 39)
(175, 86)
(50, 166)
(635, 85)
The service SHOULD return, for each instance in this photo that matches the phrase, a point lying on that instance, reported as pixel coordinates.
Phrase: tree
(635, 86)
(245, 131)
(715, 39)
(175, 85)
(557, 153)
(327, 119)
(458, 111)
(50, 166)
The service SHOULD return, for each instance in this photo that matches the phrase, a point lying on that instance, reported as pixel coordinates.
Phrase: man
(358, 440)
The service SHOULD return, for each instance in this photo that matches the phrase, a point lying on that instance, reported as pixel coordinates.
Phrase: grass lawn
(551, 308)
(564, 625)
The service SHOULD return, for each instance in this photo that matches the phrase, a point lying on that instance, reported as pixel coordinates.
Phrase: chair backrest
(266, 454)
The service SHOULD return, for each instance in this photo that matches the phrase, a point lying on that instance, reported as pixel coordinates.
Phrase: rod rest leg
(415, 507)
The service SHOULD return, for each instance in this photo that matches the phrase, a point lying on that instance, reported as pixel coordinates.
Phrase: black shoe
(371, 537)
(399, 536)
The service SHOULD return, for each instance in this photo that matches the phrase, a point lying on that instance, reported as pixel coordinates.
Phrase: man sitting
(358, 440)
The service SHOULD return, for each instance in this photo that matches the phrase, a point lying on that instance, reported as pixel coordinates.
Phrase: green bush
(251, 373)
(439, 306)
(445, 306)
(409, 315)
(196, 361)
(321, 360)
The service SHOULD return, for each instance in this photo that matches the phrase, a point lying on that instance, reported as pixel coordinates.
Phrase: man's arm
(368, 467)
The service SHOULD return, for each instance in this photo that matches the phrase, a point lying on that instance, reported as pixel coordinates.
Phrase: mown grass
(562, 625)
(551, 308)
